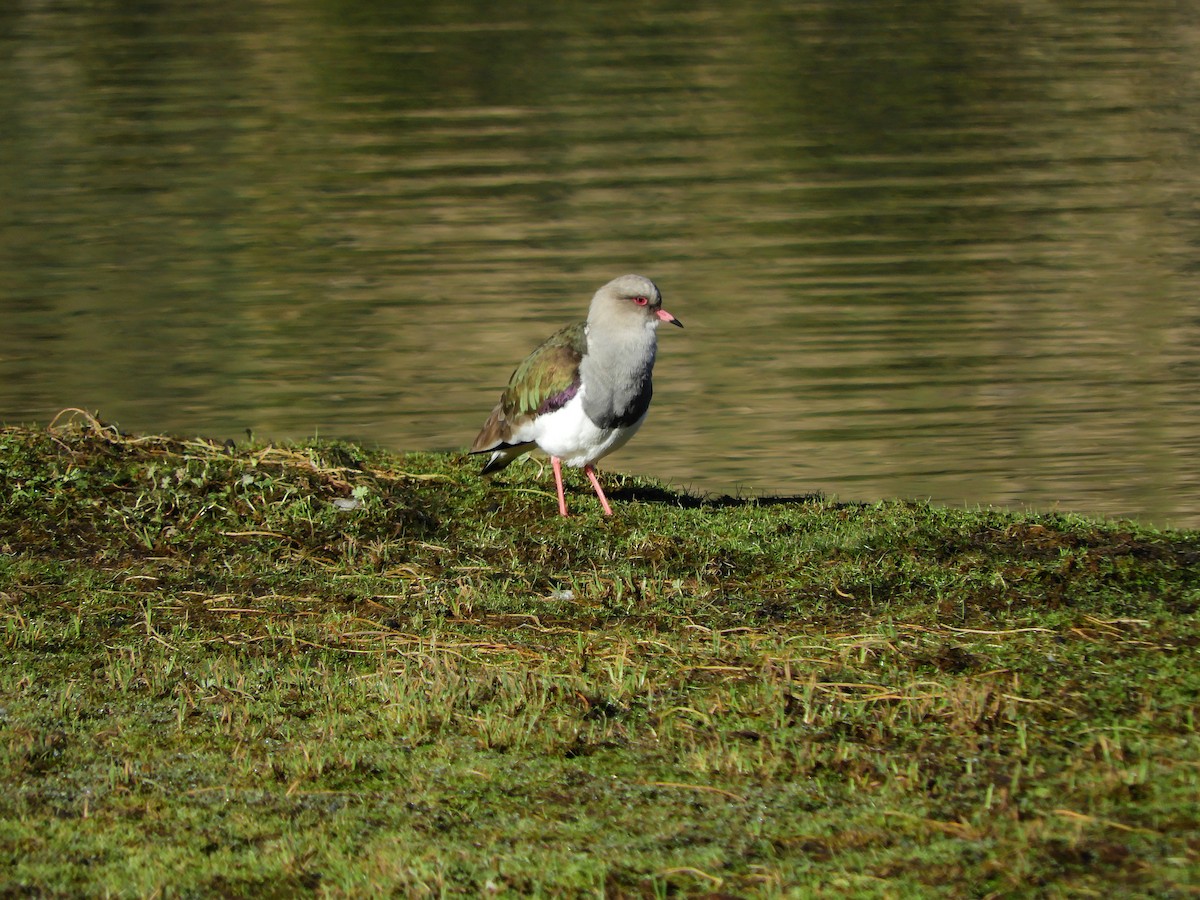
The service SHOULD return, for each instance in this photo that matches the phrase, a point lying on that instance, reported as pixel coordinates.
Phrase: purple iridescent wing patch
(559, 400)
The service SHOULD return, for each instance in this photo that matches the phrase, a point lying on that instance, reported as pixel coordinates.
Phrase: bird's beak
(667, 317)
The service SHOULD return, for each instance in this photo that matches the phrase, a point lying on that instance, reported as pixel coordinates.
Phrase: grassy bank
(255, 671)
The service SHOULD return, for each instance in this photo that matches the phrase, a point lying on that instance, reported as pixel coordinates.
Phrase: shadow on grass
(681, 499)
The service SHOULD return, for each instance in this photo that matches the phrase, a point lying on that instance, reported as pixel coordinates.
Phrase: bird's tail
(502, 456)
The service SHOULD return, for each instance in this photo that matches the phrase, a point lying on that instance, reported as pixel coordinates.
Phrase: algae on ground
(321, 669)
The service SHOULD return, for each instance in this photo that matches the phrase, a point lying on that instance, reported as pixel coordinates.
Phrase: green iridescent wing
(545, 380)
(548, 377)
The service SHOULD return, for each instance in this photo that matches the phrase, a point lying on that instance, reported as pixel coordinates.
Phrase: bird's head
(629, 302)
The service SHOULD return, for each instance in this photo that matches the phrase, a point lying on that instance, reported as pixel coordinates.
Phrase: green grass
(216, 681)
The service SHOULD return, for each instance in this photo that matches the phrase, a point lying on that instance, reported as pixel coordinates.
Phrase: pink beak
(667, 317)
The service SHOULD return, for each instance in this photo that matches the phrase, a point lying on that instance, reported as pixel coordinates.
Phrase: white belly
(574, 438)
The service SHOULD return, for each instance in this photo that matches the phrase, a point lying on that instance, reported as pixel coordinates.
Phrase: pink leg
(591, 473)
(556, 465)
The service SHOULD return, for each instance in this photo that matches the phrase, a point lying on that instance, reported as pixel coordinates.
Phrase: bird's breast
(618, 389)
(578, 439)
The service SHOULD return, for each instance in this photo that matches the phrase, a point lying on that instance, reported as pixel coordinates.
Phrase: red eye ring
(640, 301)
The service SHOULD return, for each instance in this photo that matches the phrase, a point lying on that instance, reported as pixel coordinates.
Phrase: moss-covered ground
(321, 670)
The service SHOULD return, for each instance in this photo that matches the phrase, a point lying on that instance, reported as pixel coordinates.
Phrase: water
(942, 251)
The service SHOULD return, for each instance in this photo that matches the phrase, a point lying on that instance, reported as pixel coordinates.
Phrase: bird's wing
(549, 376)
(544, 381)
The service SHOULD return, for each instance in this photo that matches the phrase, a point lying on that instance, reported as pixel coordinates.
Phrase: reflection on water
(944, 251)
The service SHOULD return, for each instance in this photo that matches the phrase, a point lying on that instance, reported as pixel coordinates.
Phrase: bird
(584, 392)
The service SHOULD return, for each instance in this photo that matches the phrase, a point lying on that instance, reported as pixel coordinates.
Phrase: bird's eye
(640, 301)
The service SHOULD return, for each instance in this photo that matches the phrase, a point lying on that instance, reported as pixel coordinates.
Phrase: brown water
(934, 250)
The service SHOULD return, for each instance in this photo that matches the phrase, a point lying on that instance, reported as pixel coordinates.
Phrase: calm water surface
(942, 250)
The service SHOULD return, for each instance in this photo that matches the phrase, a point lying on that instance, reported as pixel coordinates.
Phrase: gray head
(629, 302)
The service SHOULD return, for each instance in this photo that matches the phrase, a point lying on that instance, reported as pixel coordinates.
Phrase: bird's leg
(556, 465)
(591, 474)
